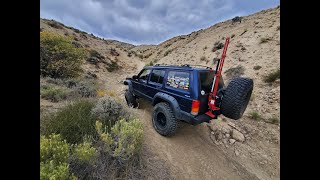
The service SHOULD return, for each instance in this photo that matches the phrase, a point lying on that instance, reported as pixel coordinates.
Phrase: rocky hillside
(252, 143)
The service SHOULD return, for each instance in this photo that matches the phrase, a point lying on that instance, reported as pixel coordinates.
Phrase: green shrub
(140, 56)
(257, 67)
(53, 149)
(273, 120)
(148, 55)
(53, 94)
(217, 45)
(264, 40)
(55, 24)
(94, 53)
(205, 48)
(129, 136)
(125, 138)
(113, 66)
(54, 81)
(278, 28)
(203, 58)
(72, 122)
(85, 151)
(49, 171)
(235, 72)
(255, 115)
(150, 64)
(272, 76)
(167, 52)
(58, 56)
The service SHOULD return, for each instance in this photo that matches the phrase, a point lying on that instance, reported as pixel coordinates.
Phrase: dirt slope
(223, 149)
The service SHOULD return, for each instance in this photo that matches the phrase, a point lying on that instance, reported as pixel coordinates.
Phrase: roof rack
(184, 65)
(195, 65)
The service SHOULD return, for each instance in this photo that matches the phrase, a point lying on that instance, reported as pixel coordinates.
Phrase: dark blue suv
(181, 93)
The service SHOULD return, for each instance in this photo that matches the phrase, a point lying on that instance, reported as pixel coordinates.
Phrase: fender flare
(162, 97)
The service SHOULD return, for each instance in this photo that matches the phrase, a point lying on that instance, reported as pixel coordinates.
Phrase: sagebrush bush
(55, 24)
(53, 94)
(129, 135)
(150, 64)
(125, 138)
(272, 76)
(58, 56)
(108, 110)
(94, 53)
(54, 81)
(264, 40)
(235, 72)
(87, 88)
(113, 66)
(167, 52)
(217, 45)
(257, 67)
(72, 122)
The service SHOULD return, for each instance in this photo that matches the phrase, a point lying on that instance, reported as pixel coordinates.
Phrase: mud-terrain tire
(236, 97)
(163, 119)
(130, 99)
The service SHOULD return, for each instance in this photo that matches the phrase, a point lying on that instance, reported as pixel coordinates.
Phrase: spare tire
(236, 97)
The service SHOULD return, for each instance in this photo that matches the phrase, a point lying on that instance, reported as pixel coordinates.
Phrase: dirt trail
(190, 154)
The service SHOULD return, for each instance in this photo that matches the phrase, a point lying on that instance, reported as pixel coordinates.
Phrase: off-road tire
(236, 97)
(163, 111)
(130, 99)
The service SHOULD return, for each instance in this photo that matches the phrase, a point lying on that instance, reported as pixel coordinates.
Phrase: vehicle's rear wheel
(163, 119)
(236, 97)
(130, 99)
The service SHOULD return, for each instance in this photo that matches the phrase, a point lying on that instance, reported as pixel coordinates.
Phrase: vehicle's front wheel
(163, 119)
(130, 99)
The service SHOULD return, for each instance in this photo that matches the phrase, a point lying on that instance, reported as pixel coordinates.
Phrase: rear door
(205, 85)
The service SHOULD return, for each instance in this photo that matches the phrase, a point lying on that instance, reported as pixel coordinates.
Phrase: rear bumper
(195, 120)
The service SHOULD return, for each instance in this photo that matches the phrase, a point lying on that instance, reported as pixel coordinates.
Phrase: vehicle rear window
(206, 80)
(178, 79)
(157, 76)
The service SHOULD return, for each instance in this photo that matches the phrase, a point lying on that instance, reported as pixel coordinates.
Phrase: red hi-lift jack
(213, 94)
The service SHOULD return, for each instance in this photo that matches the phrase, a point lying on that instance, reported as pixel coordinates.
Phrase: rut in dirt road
(190, 154)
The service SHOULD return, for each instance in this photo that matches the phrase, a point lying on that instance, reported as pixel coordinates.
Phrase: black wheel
(236, 97)
(164, 120)
(130, 99)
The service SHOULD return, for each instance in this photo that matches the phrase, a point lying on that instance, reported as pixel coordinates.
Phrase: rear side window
(178, 79)
(206, 80)
(157, 76)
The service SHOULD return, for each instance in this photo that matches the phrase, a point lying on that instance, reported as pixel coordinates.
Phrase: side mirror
(134, 77)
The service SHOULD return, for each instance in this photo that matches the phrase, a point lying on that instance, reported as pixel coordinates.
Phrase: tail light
(195, 107)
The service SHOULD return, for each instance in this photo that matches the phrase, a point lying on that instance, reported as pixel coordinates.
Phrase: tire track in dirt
(190, 154)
